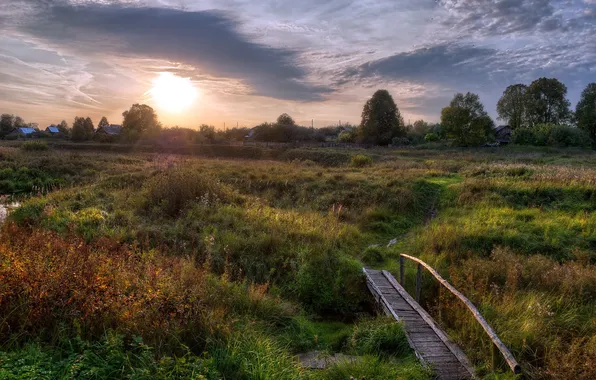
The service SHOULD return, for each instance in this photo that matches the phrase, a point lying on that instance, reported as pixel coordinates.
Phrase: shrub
(35, 145)
(431, 137)
(170, 192)
(111, 357)
(360, 160)
(549, 135)
(330, 284)
(400, 141)
(382, 336)
(372, 255)
(346, 137)
(523, 136)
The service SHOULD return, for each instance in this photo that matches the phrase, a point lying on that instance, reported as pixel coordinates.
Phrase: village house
(110, 130)
(503, 134)
(22, 132)
(52, 130)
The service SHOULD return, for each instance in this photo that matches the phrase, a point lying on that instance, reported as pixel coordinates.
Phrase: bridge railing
(515, 367)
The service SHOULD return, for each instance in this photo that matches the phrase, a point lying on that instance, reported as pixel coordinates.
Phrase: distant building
(22, 132)
(110, 130)
(53, 130)
(503, 134)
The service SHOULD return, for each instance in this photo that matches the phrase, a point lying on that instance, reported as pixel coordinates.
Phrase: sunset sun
(173, 93)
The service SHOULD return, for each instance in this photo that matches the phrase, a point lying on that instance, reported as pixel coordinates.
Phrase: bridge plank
(430, 344)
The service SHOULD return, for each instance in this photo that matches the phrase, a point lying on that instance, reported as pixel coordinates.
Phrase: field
(229, 263)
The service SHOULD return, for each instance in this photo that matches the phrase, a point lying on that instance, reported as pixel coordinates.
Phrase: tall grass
(253, 261)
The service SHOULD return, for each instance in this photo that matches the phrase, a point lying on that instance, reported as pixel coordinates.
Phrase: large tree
(585, 112)
(513, 104)
(466, 121)
(138, 121)
(103, 123)
(6, 124)
(381, 120)
(547, 102)
(19, 122)
(82, 129)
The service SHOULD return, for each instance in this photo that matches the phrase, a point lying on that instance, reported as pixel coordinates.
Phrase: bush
(431, 137)
(382, 336)
(170, 192)
(35, 145)
(346, 137)
(372, 255)
(360, 160)
(549, 135)
(400, 141)
(330, 284)
(523, 136)
(108, 358)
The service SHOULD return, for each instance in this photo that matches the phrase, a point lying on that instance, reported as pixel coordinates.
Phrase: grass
(230, 267)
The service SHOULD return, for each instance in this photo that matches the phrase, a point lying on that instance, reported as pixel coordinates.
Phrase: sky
(250, 61)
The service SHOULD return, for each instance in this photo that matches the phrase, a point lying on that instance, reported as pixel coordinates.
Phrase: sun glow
(173, 93)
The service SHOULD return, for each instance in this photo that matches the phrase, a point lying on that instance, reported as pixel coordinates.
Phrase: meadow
(228, 263)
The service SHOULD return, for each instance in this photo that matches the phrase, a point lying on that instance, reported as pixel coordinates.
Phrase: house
(22, 132)
(110, 130)
(503, 134)
(52, 130)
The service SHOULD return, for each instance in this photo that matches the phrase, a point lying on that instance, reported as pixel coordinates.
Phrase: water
(5, 208)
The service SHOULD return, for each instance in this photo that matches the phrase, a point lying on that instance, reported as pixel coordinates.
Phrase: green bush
(523, 136)
(170, 192)
(346, 137)
(549, 135)
(30, 212)
(35, 145)
(380, 336)
(431, 137)
(330, 283)
(110, 358)
(360, 160)
(372, 256)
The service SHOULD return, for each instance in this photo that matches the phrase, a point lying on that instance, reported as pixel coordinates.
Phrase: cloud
(499, 17)
(207, 40)
(446, 63)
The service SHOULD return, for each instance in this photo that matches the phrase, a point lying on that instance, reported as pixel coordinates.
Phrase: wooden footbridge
(431, 345)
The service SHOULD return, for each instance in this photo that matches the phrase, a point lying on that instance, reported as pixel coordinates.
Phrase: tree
(381, 120)
(6, 124)
(82, 129)
(466, 121)
(103, 123)
(207, 133)
(585, 112)
(512, 107)
(547, 102)
(19, 122)
(138, 121)
(89, 127)
(63, 127)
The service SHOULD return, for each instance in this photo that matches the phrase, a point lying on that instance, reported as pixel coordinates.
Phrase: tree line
(538, 114)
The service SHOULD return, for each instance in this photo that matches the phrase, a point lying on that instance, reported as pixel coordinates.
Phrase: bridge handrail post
(401, 270)
(418, 282)
(507, 355)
